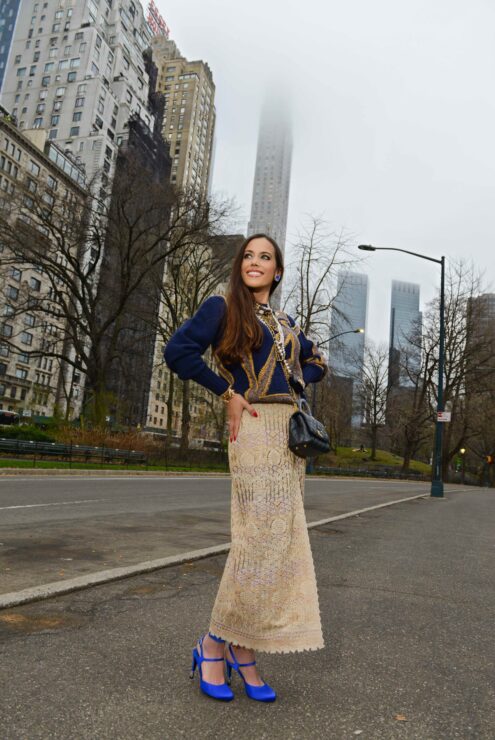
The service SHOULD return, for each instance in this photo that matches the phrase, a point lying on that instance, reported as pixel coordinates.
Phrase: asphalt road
(407, 600)
(54, 528)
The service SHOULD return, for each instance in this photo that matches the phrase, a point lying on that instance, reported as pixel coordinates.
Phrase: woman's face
(259, 264)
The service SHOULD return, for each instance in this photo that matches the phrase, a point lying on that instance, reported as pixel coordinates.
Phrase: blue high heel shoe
(216, 691)
(259, 693)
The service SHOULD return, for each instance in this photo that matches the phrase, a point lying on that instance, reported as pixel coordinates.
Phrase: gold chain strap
(282, 359)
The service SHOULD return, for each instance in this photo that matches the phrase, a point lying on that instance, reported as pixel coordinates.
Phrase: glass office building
(346, 353)
(349, 312)
(405, 333)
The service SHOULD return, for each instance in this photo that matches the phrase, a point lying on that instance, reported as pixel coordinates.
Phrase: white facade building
(76, 69)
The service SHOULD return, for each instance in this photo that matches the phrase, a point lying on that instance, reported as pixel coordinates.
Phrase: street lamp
(436, 481)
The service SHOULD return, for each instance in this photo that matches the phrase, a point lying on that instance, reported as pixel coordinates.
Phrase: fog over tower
(270, 203)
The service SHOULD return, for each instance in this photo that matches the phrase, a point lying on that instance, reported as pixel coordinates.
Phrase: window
(71, 77)
(55, 120)
(3, 371)
(23, 357)
(51, 182)
(38, 123)
(56, 28)
(21, 71)
(21, 372)
(74, 63)
(17, 60)
(40, 108)
(77, 116)
(8, 310)
(15, 274)
(4, 350)
(34, 283)
(57, 105)
(94, 69)
(45, 81)
(60, 92)
(7, 330)
(79, 103)
(53, 133)
(31, 185)
(67, 50)
(29, 319)
(26, 337)
(81, 89)
(12, 292)
(63, 64)
(74, 131)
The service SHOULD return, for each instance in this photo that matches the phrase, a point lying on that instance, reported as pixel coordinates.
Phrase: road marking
(54, 503)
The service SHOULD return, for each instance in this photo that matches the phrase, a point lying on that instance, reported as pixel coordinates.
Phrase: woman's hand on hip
(235, 407)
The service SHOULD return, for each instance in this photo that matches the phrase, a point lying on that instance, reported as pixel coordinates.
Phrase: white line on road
(55, 503)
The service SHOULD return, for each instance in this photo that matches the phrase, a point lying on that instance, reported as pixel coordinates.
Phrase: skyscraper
(8, 16)
(405, 333)
(349, 312)
(270, 203)
(346, 353)
(189, 117)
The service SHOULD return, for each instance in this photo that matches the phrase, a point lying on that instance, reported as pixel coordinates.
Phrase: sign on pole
(444, 416)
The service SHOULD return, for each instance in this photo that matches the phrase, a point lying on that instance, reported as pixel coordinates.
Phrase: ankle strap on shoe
(236, 664)
(214, 637)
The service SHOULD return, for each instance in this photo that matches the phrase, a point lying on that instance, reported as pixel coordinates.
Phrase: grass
(349, 457)
(52, 465)
(345, 457)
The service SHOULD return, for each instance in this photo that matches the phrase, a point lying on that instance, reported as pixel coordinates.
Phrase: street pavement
(408, 606)
(54, 529)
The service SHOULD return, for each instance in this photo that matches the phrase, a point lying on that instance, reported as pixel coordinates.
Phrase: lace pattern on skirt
(267, 599)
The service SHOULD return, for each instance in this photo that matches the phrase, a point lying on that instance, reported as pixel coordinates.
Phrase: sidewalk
(408, 605)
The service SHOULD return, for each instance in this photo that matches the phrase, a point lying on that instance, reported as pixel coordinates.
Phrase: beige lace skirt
(267, 599)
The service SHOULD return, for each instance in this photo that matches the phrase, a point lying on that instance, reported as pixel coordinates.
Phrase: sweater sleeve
(313, 363)
(184, 351)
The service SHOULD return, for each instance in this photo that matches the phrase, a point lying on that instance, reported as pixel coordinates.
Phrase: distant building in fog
(270, 203)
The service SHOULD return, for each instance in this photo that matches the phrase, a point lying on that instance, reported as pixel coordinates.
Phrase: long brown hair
(241, 330)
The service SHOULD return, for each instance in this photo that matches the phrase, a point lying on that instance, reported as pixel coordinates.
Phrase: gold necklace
(277, 333)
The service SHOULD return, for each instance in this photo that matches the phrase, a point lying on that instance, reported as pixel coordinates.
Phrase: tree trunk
(374, 433)
(186, 416)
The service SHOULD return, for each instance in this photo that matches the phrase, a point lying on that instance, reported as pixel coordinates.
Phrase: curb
(67, 473)
(49, 590)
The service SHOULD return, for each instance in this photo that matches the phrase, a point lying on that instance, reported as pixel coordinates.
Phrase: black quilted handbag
(307, 436)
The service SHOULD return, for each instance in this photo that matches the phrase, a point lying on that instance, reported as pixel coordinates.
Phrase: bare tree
(129, 237)
(193, 274)
(469, 365)
(373, 389)
(318, 254)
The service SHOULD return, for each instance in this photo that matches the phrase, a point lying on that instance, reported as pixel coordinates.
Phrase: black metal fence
(37, 451)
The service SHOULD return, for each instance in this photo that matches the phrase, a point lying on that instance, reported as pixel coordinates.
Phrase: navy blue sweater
(258, 377)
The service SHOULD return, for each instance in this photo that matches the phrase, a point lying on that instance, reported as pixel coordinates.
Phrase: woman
(267, 599)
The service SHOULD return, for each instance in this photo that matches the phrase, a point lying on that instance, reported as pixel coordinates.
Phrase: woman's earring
(278, 278)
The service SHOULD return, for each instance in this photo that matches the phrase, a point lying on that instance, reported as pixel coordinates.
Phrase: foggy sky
(393, 113)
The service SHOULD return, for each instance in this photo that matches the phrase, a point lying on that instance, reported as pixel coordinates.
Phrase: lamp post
(436, 481)
(462, 452)
(330, 339)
